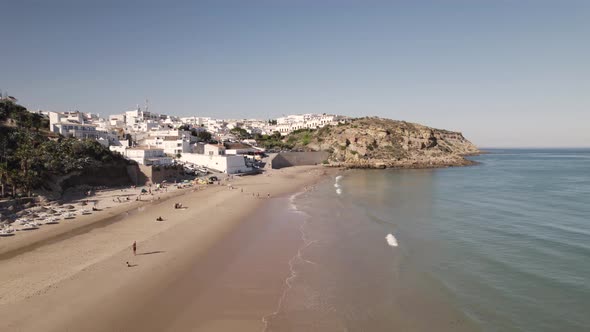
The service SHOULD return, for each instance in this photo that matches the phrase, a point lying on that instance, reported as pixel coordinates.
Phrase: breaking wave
(337, 184)
(292, 199)
(391, 240)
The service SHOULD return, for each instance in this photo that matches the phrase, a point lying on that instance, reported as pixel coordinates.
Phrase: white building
(138, 115)
(287, 124)
(147, 156)
(76, 130)
(195, 120)
(171, 145)
(71, 124)
(214, 150)
(220, 163)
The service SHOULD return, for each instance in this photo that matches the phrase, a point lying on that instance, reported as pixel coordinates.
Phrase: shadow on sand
(151, 252)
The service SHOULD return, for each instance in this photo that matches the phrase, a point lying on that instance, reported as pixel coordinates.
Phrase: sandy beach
(191, 271)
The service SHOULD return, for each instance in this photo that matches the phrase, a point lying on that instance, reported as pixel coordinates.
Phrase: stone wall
(288, 159)
(109, 174)
(142, 174)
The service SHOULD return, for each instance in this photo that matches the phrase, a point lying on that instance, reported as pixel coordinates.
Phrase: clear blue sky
(505, 73)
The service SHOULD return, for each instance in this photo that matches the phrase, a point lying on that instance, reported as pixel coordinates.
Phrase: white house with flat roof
(214, 150)
(172, 145)
(144, 155)
(221, 163)
(72, 124)
(287, 124)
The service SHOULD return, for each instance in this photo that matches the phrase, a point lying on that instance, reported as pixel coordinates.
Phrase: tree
(184, 127)
(203, 135)
(3, 175)
(27, 155)
(240, 133)
(13, 180)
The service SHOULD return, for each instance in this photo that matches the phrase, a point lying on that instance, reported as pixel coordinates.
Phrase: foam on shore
(337, 185)
(391, 240)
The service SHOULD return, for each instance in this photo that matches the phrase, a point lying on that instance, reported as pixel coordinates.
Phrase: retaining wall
(288, 159)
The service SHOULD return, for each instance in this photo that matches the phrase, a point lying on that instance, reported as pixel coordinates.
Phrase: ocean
(500, 246)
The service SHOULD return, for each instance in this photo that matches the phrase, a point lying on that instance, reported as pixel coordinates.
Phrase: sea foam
(292, 204)
(391, 240)
(337, 185)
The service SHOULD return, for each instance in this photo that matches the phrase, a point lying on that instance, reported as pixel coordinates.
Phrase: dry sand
(74, 277)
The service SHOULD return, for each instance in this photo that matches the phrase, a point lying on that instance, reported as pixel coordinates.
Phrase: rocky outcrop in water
(380, 143)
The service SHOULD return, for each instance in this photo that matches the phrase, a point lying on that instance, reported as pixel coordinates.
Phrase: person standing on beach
(134, 248)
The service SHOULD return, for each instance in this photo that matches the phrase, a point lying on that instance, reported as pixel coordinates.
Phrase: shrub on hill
(28, 158)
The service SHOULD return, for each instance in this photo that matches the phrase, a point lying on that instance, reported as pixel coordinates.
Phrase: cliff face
(379, 143)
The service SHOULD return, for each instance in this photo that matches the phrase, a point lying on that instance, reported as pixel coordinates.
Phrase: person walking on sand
(134, 248)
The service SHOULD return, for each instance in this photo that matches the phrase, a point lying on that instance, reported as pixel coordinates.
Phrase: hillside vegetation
(377, 142)
(31, 157)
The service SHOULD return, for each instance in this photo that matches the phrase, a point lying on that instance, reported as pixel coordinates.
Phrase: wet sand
(197, 270)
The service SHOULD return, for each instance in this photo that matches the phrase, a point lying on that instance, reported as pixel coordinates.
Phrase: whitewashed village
(83, 163)
(199, 144)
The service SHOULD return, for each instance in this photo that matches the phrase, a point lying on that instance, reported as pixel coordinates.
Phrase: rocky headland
(373, 142)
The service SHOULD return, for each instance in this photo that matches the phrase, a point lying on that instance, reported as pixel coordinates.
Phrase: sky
(505, 73)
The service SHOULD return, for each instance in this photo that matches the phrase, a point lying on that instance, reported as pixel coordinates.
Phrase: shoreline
(166, 251)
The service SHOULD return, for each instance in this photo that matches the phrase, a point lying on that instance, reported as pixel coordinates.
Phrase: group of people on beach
(258, 195)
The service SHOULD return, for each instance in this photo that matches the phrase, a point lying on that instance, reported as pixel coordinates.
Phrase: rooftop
(145, 148)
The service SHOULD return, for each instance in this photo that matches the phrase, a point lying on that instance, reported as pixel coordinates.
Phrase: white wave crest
(391, 240)
(292, 204)
(337, 185)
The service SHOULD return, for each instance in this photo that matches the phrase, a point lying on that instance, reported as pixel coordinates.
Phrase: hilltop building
(290, 123)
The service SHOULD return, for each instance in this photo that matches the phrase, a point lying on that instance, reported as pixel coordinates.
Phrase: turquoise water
(516, 237)
(501, 246)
